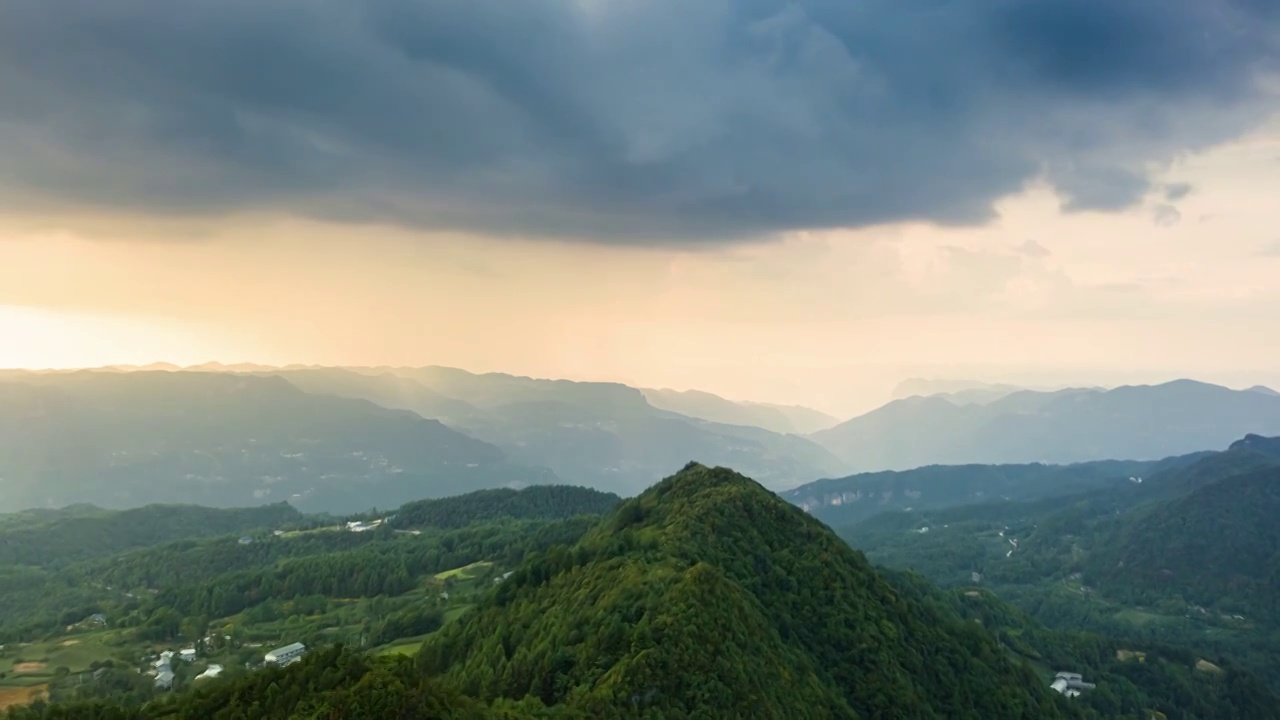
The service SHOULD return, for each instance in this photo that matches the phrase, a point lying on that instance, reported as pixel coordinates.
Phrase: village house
(164, 679)
(285, 655)
(1070, 684)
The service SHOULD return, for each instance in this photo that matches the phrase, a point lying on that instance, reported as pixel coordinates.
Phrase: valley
(435, 539)
(446, 585)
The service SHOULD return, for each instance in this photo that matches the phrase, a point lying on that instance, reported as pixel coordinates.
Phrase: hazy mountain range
(132, 439)
(347, 439)
(1142, 422)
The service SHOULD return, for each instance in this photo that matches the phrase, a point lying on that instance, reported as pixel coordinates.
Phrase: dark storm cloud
(617, 120)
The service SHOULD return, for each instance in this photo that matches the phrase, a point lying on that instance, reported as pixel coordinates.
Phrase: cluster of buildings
(163, 665)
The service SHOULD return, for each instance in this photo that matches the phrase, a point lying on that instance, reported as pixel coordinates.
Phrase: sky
(799, 201)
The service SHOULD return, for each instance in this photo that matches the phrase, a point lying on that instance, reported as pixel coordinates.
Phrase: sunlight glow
(47, 339)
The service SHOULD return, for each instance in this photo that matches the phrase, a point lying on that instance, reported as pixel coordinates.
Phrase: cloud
(1166, 215)
(1270, 250)
(622, 121)
(1034, 250)
(1173, 192)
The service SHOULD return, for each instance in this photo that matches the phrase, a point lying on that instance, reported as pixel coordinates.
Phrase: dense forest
(1186, 557)
(273, 553)
(539, 502)
(844, 501)
(706, 596)
(709, 596)
(57, 538)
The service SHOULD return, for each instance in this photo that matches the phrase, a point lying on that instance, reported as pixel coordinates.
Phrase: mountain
(1064, 426)
(708, 596)
(602, 435)
(63, 538)
(1189, 555)
(1262, 389)
(959, 391)
(385, 389)
(130, 439)
(539, 502)
(784, 419)
(1218, 547)
(805, 420)
(844, 501)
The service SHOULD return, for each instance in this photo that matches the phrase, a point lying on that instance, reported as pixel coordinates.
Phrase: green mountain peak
(707, 595)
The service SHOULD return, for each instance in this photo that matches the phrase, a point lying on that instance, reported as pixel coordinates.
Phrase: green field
(465, 572)
(297, 533)
(27, 666)
(74, 653)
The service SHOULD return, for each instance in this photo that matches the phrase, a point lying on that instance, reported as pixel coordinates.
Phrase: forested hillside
(65, 539)
(1187, 557)
(709, 596)
(160, 565)
(842, 501)
(540, 502)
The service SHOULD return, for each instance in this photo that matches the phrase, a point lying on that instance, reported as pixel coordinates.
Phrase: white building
(212, 671)
(164, 679)
(358, 526)
(187, 654)
(285, 655)
(1070, 684)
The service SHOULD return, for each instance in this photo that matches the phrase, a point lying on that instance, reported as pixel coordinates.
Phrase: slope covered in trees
(1217, 547)
(84, 535)
(709, 596)
(843, 501)
(120, 562)
(1189, 556)
(539, 502)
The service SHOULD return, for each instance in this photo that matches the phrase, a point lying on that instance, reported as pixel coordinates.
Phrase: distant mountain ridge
(1142, 422)
(488, 430)
(784, 419)
(843, 501)
(603, 435)
(131, 439)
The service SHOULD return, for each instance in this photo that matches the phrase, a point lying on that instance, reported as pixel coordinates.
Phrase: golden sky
(771, 200)
(831, 318)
